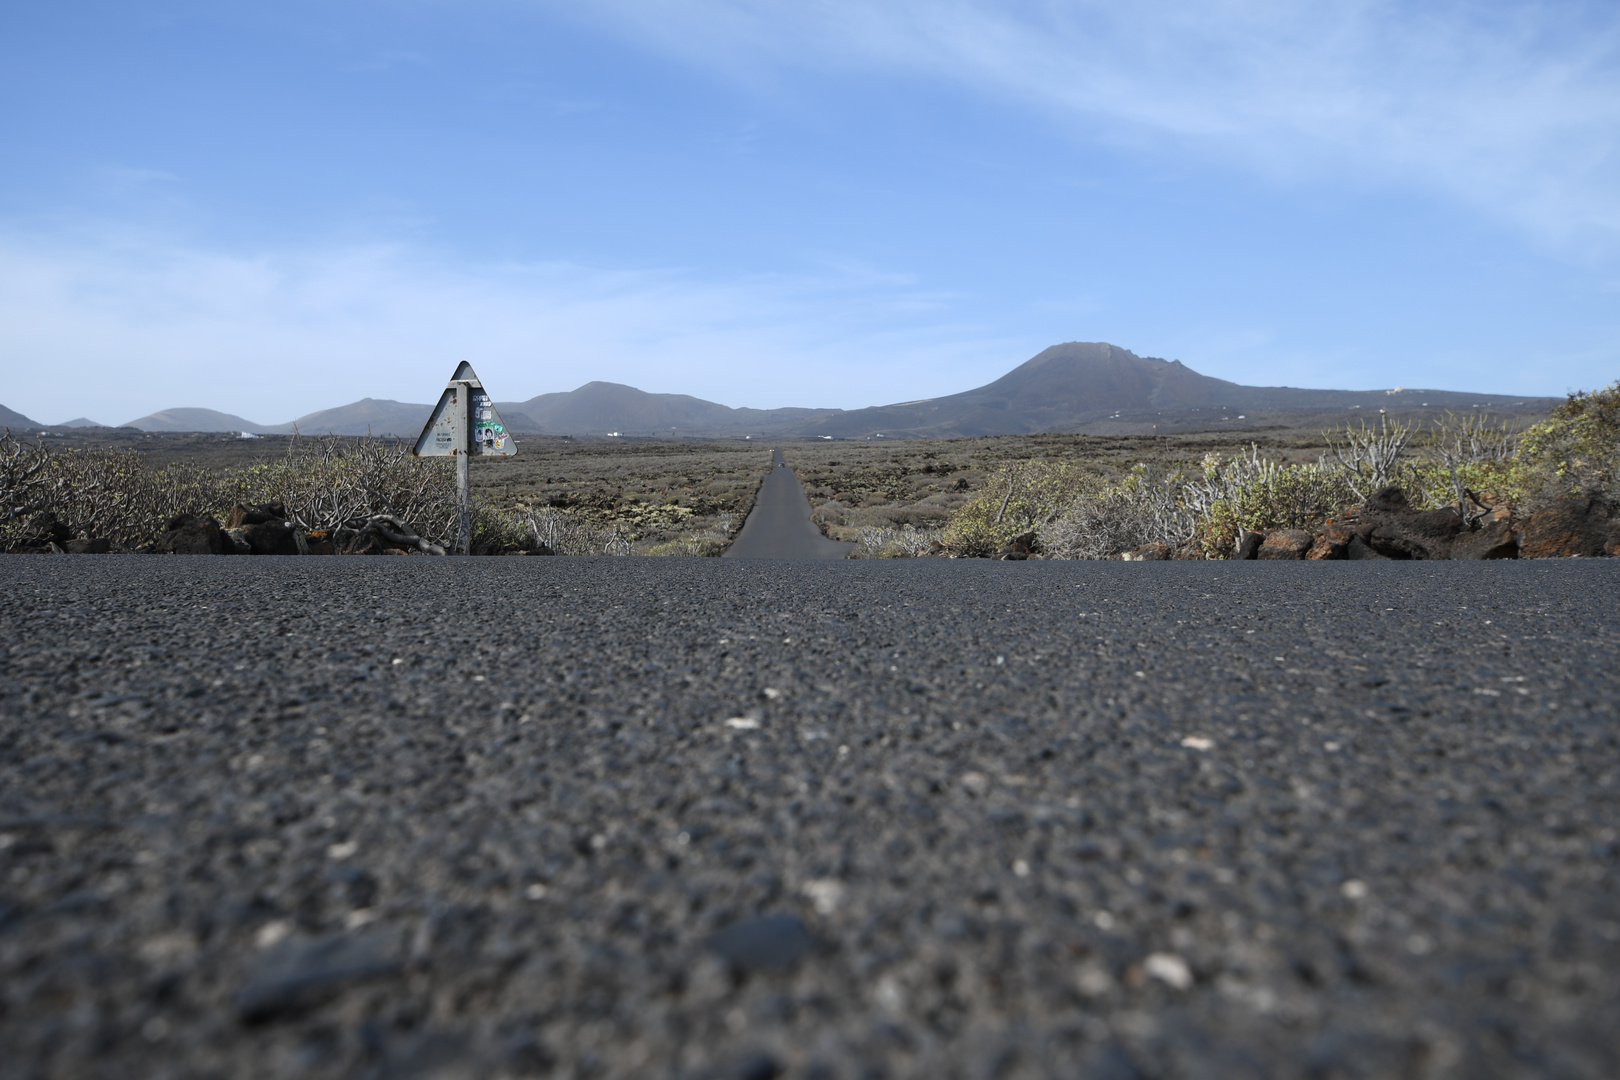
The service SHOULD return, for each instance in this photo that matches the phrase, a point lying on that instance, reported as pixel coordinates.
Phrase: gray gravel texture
(698, 818)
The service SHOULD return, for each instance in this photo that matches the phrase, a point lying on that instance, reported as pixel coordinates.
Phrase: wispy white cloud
(117, 326)
(1511, 107)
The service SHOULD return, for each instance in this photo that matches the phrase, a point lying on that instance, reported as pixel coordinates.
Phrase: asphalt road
(416, 817)
(778, 527)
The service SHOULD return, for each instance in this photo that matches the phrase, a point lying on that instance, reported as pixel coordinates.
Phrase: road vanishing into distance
(415, 817)
(778, 527)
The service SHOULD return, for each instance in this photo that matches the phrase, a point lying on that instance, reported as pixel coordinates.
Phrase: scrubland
(1055, 496)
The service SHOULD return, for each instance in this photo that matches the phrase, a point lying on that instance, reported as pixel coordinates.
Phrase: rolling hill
(1074, 387)
(16, 421)
(195, 420)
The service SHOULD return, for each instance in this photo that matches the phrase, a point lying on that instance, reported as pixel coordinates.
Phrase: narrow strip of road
(779, 525)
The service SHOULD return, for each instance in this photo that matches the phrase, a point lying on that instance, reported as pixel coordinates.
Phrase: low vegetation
(1054, 496)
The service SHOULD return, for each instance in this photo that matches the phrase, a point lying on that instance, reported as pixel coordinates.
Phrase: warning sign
(465, 421)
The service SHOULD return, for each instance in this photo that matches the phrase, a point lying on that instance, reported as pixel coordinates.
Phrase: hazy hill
(16, 421)
(601, 407)
(378, 416)
(83, 421)
(196, 420)
(1087, 385)
(1074, 387)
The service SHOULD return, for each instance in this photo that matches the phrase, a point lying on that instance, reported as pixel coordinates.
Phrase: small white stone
(825, 894)
(1093, 980)
(1169, 969)
(772, 693)
(1197, 742)
(1354, 889)
(359, 917)
(397, 660)
(342, 850)
(1331, 747)
(976, 782)
(742, 723)
(889, 995)
(1104, 920)
(538, 891)
(272, 933)
(1020, 868)
(164, 948)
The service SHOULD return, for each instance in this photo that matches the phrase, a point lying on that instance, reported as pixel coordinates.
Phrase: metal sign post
(464, 423)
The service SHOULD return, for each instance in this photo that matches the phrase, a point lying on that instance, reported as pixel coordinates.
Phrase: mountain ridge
(1071, 387)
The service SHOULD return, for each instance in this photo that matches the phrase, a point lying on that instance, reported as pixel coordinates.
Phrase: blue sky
(275, 208)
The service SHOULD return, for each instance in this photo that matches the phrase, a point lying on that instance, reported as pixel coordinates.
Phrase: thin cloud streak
(144, 323)
(1514, 109)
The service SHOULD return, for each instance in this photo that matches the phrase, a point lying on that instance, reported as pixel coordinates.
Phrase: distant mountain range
(1074, 387)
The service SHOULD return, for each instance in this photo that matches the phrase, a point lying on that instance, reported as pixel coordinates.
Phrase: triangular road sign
(464, 421)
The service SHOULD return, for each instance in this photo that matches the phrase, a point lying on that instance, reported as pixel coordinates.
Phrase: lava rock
(1495, 541)
(298, 975)
(1285, 544)
(1358, 549)
(87, 547)
(1333, 543)
(44, 529)
(1249, 546)
(766, 943)
(189, 534)
(1576, 526)
(1019, 547)
(1394, 530)
(1154, 552)
(271, 538)
(241, 516)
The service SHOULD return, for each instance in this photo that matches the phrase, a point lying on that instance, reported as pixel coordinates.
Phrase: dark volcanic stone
(1285, 544)
(192, 535)
(1391, 528)
(271, 538)
(1389, 499)
(299, 975)
(766, 943)
(1577, 526)
(87, 547)
(1495, 541)
(44, 529)
(1249, 546)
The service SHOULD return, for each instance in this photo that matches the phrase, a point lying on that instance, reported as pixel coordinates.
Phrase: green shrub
(1016, 498)
(697, 545)
(1577, 448)
(1248, 492)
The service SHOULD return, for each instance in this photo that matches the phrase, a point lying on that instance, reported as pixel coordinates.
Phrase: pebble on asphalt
(298, 974)
(765, 943)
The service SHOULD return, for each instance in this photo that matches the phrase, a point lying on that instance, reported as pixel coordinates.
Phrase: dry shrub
(906, 542)
(1146, 507)
(1016, 498)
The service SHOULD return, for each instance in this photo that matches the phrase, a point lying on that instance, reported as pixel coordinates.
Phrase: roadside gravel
(414, 817)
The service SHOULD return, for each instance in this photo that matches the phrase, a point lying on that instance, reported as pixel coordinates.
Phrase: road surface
(416, 817)
(778, 527)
